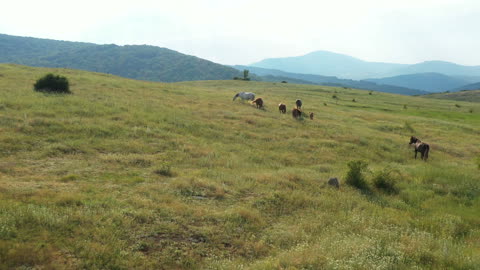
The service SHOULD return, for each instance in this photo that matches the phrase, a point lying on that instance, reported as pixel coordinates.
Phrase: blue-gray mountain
(473, 86)
(344, 66)
(275, 75)
(431, 82)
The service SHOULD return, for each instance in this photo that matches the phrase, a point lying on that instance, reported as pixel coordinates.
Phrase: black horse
(298, 102)
(421, 147)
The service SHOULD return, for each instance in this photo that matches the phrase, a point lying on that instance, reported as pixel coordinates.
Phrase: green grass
(126, 174)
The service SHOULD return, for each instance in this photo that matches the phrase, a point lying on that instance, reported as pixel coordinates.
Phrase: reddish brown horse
(258, 102)
(421, 147)
(282, 108)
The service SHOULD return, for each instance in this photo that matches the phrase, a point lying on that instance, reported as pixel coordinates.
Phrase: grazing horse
(282, 108)
(421, 147)
(311, 116)
(296, 113)
(245, 96)
(258, 102)
(298, 102)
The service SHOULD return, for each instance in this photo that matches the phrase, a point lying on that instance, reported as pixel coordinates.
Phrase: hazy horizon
(243, 33)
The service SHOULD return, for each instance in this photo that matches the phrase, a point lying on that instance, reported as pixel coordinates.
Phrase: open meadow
(126, 174)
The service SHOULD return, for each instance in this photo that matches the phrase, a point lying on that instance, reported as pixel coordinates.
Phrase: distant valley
(278, 75)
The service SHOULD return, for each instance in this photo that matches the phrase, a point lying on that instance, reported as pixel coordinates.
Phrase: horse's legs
(422, 154)
(416, 154)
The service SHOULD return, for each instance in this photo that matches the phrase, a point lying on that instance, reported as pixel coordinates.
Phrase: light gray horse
(245, 96)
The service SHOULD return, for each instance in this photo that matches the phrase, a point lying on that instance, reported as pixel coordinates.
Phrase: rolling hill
(275, 75)
(128, 174)
(140, 62)
(431, 82)
(347, 67)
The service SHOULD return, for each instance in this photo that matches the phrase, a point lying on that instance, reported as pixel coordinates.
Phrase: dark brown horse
(258, 102)
(282, 108)
(296, 113)
(421, 147)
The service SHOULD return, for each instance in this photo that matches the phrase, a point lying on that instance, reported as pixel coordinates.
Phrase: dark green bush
(355, 177)
(52, 83)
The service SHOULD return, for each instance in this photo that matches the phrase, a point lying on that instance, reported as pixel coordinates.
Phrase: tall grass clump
(165, 170)
(355, 175)
(386, 181)
(53, 84)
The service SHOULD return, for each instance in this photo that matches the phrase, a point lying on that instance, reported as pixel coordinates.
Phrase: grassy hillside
(126, 174)
(137, 62)
(468, 95)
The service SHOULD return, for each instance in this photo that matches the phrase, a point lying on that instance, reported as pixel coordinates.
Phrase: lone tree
(245, 75)
(53, 84)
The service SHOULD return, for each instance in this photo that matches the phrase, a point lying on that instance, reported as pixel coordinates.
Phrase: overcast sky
(242, 32)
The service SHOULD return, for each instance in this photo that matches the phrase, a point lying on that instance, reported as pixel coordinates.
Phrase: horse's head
(413, 139)
(236, 96)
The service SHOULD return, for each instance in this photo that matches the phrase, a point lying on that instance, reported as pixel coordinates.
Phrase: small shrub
(164, 170)
(353, 100)
(324, 104)
(53, 84)
(471, 110)
(404, 106)
(355, 177)
(385, 180)
(284, 82)
(458, 106)
(370, 93)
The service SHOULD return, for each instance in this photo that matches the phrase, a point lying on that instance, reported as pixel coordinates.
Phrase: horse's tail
(427, 149)
(235, 97)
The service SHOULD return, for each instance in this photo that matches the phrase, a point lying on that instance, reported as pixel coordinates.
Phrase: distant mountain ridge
(348, 67)
(431, 82)
(132, 61)
(279, 75)
(473, 86)
(327, 64)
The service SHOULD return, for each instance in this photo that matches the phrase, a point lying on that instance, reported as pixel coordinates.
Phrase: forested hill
(135, 61)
